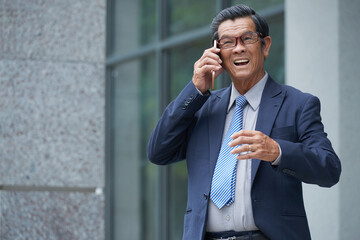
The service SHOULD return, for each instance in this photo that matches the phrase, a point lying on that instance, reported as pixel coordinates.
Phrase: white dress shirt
(239, 215)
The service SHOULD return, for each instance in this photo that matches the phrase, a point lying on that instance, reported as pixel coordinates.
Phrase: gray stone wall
(52, 104)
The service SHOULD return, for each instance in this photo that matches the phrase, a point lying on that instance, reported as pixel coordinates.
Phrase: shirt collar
(253, 96)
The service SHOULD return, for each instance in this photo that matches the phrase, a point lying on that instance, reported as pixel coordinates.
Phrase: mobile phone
(213, 72)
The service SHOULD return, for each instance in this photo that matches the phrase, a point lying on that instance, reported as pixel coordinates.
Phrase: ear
(266, 46)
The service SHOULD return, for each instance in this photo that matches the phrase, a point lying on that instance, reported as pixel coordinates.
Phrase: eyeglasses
(245, 39)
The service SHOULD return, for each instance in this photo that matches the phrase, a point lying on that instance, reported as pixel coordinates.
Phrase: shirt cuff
(206, 94)
(278, 160)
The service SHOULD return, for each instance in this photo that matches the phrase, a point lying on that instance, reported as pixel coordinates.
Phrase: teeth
(241, 61)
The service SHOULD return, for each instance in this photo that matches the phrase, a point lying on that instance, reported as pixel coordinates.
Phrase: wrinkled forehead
(236, 27)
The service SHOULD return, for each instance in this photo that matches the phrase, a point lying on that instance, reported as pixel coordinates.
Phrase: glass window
(275, 63)
(177, 199)
(149, 112)
(135, 112)
(182, 61)
(186, 15)
(134, 25)
(150, 60)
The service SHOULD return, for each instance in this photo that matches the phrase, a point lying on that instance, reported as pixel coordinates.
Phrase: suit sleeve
(311, 159)
(168, 141)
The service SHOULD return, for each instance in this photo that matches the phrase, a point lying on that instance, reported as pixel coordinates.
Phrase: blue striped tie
(223, 182)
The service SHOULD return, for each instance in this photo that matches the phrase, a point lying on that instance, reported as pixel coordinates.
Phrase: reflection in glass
(177, 199)
(182, 61)
(274, 64)
(134, 25)
(186, 15)
(148, 18)
(149, 113)
(135, 178)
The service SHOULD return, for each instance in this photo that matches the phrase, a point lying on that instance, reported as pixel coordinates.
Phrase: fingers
(247, 137)
(209, 61)
(254, 144)
(245, 148)
(203, 68)
(212, 53)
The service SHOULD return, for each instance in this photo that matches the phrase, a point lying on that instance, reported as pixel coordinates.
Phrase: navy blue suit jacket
(191, 128)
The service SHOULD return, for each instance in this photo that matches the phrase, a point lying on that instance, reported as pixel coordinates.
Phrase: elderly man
(248, 147)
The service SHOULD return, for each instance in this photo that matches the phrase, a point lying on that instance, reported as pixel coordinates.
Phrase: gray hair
(239, 11)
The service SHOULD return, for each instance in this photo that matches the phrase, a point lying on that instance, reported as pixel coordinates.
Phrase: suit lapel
(270, 104)
(217, 114)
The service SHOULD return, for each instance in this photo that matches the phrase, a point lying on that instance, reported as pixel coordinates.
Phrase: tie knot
(241, 101)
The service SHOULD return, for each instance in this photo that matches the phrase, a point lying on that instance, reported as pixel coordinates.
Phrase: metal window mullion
(163, 186)
(109, 133)
(163, 81)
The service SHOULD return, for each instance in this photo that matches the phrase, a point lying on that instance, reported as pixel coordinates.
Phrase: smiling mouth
(241, 62)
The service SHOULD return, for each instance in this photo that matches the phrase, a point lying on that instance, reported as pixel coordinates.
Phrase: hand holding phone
(206, 68)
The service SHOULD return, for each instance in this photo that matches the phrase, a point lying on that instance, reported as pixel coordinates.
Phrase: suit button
(205, 196)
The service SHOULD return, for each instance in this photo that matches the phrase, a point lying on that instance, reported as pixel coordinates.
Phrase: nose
(239, 47)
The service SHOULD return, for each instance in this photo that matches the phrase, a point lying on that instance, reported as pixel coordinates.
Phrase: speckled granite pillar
(52, 103)
(51, 215)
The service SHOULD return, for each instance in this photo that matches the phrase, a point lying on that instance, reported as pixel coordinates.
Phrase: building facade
(83, 83)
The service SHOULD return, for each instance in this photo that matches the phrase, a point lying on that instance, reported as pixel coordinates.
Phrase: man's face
(244, 63)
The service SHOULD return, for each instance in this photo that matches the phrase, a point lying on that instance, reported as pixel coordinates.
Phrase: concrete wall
(52, 78)
(323, 59)
(349, 134)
